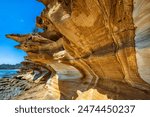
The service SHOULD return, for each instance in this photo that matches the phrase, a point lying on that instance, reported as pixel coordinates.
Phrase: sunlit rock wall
(90, 49)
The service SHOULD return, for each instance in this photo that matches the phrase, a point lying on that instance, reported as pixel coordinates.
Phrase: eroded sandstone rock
(90, 49)
(10, 88)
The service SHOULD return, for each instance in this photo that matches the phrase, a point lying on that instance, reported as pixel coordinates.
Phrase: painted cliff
(90, 49)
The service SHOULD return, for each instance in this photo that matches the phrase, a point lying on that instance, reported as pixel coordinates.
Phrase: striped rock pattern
(90, 49)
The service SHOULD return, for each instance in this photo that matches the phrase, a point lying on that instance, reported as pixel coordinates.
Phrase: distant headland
(9, 66)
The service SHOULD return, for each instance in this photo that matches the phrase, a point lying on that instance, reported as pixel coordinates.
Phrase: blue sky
(16, 16)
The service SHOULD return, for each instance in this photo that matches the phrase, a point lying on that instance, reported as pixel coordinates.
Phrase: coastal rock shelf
(90, 49)
(9, 88)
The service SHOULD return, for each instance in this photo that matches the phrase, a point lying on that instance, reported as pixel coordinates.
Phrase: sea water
(8, 73)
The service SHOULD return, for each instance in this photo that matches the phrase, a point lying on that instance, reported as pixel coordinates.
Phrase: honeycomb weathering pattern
(91, 49)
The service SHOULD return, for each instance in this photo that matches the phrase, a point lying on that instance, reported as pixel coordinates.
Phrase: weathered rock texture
(90, 49)
(141, 18)
(9, 88)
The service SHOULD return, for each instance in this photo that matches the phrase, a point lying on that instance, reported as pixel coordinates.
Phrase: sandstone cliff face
(90, 49)
(142, 39)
